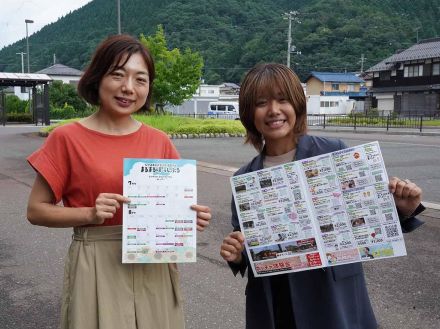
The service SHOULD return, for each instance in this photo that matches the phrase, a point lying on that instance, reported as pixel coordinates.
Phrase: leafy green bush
(15, 105)
(66, 112)
(61, 93)
(178, 125)
(19, 117)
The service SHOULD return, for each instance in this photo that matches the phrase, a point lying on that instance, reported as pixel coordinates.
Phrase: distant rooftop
(425, 49)
(335, 77)
(60, 69)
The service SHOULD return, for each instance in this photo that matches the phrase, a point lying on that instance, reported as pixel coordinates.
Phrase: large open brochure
(322, 211)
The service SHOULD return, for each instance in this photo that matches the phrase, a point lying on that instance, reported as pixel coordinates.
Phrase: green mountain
(234, 35)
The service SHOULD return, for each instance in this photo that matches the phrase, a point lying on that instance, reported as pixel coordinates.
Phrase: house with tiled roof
(60, 72)
(334, 93)
(333, 83)
(408, 82)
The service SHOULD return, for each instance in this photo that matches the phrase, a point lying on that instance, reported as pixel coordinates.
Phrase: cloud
(42, 12)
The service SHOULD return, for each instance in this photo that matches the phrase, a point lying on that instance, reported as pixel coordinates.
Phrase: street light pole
(28, 21)
(118, 3)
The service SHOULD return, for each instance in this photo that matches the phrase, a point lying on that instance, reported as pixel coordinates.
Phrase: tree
(15, 104)
(63, 93)
(178, 74)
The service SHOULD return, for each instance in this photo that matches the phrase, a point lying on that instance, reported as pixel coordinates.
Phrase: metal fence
(386, 122)
(383, 122)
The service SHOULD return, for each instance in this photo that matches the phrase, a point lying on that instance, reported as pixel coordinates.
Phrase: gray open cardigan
(331, 298)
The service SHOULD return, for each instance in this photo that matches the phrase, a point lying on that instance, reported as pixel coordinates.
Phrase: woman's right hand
(232, 246)
(106, 205)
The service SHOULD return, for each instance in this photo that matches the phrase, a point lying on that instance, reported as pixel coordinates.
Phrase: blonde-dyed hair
(264, 81)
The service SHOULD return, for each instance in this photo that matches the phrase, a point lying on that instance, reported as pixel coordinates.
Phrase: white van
(223, 110)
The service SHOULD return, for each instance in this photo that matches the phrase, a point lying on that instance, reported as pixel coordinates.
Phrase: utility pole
(417, 33)
(118, 3)
(291, 16)
(22, 60)
(362, 63)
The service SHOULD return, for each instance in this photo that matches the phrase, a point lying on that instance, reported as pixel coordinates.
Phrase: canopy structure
(23, 79)
(40, 101)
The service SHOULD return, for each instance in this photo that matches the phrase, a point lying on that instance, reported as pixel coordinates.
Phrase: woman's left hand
(203, 216)
(407, 195)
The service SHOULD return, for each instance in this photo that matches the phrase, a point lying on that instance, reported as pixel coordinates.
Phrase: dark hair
(111, 55)
(260, 81)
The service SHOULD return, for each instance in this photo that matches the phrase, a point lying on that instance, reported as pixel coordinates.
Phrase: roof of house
(335, 77)
(229, 85)
(384, 65)
(60, 69)
(429, 48)
(361, 93)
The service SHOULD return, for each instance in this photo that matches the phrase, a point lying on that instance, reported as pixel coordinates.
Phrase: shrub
(15, 105)
(66, 112)
(19, 117)
(61, 93)
(372, 112)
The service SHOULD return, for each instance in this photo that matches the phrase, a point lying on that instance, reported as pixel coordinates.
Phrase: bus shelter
(39, 101)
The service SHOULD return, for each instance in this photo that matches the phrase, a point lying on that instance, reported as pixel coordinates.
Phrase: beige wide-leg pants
(100, 292)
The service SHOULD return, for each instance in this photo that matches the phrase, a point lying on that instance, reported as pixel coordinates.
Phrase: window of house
(350, 87)
(322, 104)
(393, 73)
(23, 90)
(335, 86)
(413, 71)
(385, 75)
(436, 69)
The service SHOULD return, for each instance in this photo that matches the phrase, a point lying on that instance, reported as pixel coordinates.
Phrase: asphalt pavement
(404, 291)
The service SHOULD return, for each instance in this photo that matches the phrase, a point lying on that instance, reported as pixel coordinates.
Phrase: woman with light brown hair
(273, 111)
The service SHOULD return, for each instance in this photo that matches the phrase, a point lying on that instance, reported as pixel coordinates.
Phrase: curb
(182, 136)
(431, 205)
(207, 135)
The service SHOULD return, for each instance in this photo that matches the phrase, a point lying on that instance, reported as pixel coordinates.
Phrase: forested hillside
(233, 35)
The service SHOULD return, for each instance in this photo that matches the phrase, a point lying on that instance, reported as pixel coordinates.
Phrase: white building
(205, 94)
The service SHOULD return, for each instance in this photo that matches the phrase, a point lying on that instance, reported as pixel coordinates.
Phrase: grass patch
(178, 125)
(431, 123)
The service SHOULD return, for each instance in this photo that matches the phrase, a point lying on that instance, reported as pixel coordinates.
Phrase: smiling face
(124, 89)
(272, 108)
(275, 119)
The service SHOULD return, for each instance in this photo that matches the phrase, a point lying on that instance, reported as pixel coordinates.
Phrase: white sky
(42, 12)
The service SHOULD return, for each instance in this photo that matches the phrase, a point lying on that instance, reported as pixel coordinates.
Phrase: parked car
(223, 110)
